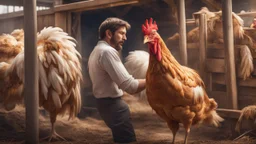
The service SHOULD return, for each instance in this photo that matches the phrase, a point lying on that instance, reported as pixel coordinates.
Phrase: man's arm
(116, 70)
(141, 86)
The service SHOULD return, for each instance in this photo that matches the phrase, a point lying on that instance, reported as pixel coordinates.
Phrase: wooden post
(202, 44)
(229, 54)
(31, 72)
(183, 33)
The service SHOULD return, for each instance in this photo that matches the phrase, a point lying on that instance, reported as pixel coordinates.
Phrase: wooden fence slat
(229, 113)
(215, 65)
(220, 79)
(247, 91)
(219, 97)
(215, 53)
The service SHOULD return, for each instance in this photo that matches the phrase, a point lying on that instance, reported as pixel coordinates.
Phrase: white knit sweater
(108, 74)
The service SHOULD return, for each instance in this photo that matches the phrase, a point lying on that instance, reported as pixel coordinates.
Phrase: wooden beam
(83, 6)
(31, 72)
(92, 4)
(20, 2)
(229, 113)
(192, 45)
(247, 14)
(203, 45)
(229, 52)
(183, 33)
(106, 6)
(212, 4)
(21, 13)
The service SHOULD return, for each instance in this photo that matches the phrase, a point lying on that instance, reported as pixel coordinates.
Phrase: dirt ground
(149, 128)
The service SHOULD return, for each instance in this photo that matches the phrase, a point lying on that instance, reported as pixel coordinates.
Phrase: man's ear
(109, 34)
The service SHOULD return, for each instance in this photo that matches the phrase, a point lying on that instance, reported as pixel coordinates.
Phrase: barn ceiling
(48, 3)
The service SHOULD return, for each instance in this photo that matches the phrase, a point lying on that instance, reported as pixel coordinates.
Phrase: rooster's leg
(174, 126)
(54, 134)
(187, 126)
(186, 136)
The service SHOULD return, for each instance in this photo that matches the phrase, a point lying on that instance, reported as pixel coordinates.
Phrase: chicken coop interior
(201, 34)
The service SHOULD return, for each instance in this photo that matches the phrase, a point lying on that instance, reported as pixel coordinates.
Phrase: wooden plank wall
(8, 25)
(215, 66)
(45, 21)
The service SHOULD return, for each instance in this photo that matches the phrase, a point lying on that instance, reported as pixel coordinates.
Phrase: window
(9, 9)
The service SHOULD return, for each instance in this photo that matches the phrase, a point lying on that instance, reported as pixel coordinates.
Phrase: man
(109, 77)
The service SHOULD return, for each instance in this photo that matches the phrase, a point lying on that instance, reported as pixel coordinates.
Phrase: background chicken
(18, 34)
(9, 48)
(247, 113)
(204, 10)
(59, 76)
(175, 92)
(253, 25)
(215, 35)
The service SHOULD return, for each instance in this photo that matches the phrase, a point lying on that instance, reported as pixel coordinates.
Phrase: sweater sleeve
(112, 64)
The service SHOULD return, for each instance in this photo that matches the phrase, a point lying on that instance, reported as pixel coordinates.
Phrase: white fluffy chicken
(59, 76)
(138, 71)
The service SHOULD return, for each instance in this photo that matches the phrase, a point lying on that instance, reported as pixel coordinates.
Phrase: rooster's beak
(146, 39)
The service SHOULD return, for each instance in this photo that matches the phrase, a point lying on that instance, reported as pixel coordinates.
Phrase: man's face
(118, 38)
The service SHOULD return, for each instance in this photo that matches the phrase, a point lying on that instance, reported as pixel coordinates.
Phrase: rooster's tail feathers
(57, 37)
(214, 119)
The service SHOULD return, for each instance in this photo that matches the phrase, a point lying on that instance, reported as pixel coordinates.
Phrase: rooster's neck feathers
(168, 62)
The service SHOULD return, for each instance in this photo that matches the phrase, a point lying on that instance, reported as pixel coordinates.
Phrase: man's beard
(117, 45)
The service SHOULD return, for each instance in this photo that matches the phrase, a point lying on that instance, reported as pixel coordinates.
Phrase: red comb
(148, 27)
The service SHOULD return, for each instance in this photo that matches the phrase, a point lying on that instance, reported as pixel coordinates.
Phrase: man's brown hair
(112, 24)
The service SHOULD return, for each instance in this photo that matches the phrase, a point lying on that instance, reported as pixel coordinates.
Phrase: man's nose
(124, 37)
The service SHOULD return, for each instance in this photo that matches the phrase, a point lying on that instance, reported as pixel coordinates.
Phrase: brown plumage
(9, 48)
(59, 76)
(18, 34)
(214, 29)
(175, 92)
(253, 25)
(204, 10)
(247, 113)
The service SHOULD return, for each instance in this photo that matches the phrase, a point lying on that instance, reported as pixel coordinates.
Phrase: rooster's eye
(152, 33)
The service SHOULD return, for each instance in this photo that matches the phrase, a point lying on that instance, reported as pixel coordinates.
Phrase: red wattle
(159, 53)
(155, 48)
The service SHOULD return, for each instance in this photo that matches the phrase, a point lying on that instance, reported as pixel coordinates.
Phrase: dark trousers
(116, 114)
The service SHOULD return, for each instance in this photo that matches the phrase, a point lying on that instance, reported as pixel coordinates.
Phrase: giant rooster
(59, 76)
(175, 92)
